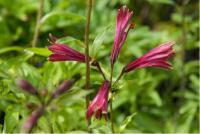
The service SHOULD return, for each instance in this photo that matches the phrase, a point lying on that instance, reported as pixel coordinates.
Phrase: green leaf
(11, 121)
(43, 123)
(169, 2)
(40, 51)
(185, 119)
(70, 40)
(97, 44)
(8, 49)
(72, 96)
(194, 82)
(191, 67)
(58, 19)
(126, 122)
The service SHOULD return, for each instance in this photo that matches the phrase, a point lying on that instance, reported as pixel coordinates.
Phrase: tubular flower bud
(99, 105)
(26, 86)
(122, 28)
(32, 120)
(65, 86)
(62, 52)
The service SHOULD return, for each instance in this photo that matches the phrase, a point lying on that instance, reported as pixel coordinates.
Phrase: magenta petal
(122, 28)
(156, 57)
(62, 52)
(98, 114)
(99, 104)
(58, 49)
(90, 112)
(62, 57)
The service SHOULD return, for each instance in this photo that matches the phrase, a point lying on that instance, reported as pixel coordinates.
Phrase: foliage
(147, 100)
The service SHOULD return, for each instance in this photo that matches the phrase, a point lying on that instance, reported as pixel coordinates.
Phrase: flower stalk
(87, 58)
(97, 65)
(38, 23)
(40, 110)
(110, 102)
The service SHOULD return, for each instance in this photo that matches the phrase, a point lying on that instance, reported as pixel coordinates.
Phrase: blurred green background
(147, 100)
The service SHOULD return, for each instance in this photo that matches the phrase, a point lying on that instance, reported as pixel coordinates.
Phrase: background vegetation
(148, 100)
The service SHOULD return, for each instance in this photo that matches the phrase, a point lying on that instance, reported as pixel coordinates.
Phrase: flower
(100, 102)
(26, 86)
(157, 57)
(122, 29)
(62, 52)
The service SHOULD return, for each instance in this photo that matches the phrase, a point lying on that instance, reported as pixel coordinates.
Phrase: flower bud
(26, 86)
(32, 120)
(65, 86)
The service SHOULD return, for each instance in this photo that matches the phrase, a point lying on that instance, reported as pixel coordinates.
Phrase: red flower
(100, 102)
(157, 57)
(122, 29)
(62, 52)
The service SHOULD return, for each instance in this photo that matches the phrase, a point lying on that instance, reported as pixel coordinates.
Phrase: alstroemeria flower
(62, 52)
(122, 28)
(99, 105)
(157, 57)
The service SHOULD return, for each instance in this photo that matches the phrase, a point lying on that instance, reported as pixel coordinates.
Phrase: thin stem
(184, 42)
(87, 58)
(111, 74)
(38, 24)
(111, 116)
(100, 70)
(111, 108)
(119, 77)
(47, 116)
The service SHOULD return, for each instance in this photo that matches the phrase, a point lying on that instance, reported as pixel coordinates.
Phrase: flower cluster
(38, 111)
(157, 57)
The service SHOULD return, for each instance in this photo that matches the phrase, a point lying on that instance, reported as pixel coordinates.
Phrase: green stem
(184, 43)
(47, 116)
(111, 99)
(111, 117)
(37, 27)
(87, 58)
(100, 70)
(119, 77)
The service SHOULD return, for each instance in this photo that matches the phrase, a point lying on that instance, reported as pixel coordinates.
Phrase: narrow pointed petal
(63, 57)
